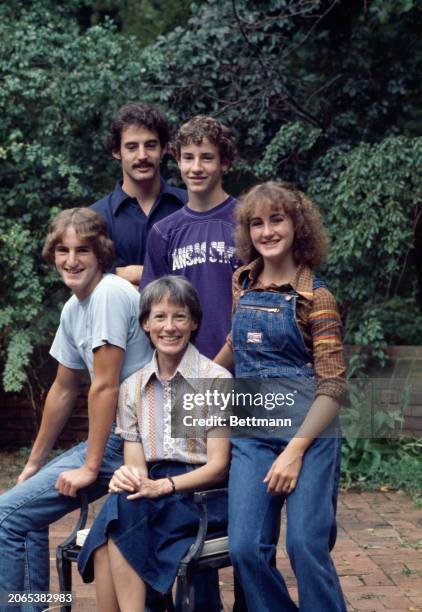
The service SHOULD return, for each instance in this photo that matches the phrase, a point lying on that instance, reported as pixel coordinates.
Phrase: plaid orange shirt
(318, 320)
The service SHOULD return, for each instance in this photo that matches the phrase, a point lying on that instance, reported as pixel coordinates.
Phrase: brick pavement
(378, 555)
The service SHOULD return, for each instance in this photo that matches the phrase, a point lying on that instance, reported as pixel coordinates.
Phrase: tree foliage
(322, 92)
(371, 197)
(61, 84)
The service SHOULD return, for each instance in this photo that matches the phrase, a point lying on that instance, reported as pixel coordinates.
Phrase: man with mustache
(138, 137)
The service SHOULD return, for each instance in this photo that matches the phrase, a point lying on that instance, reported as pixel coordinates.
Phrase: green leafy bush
(60, 85)
(374, 451)
(372, 201)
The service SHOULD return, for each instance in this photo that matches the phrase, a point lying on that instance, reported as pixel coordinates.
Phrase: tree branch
(293, 104)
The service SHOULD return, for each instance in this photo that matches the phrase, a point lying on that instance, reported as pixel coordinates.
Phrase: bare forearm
(216, 468)
(128, 476)
(131, 273)
(210, 474)
(134, 456)
(204, 477)
(322, 412)
(101, 413)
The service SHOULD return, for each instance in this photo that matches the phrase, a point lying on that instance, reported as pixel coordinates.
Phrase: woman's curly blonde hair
(310, 243)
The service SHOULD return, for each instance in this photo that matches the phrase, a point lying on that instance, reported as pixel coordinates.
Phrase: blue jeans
(254, 526)
(27, 510)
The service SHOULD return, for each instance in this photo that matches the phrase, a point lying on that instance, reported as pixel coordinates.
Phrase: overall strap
(317, 283)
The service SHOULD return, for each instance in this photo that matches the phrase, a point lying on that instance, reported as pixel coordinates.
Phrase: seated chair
(202, 556)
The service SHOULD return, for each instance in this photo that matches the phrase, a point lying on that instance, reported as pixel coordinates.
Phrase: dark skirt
(153, 535)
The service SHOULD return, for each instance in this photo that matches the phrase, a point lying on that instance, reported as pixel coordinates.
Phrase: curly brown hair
(89, 226)
(139, 114)
(310, 243)
(200, 127)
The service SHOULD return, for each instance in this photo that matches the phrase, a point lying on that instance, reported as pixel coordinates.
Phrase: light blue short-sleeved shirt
(109, 315)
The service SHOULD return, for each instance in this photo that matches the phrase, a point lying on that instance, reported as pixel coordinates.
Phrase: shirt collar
(302, 281)
(119, 196)
(188, 368)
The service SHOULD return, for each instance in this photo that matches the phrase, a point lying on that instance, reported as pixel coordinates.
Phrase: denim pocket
(259, 327)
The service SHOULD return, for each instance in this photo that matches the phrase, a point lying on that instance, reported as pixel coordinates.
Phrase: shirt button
(288, 298)
(309, 365)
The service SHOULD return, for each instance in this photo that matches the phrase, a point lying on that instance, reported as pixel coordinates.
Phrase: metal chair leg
(185, 583)
(168, 603)
(64, 571)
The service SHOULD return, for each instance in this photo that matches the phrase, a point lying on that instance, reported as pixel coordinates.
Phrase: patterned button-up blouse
(144, 409)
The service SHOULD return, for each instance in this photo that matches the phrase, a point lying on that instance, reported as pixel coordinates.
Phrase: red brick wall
(17, 426)
(403, 371)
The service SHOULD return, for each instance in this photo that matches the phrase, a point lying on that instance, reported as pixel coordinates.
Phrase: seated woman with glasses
(148, 524)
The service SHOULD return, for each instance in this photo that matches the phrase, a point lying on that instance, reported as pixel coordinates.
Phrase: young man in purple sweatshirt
(197, 241)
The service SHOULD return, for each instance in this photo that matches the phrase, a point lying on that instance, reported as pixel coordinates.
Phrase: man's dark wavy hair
(140, 114)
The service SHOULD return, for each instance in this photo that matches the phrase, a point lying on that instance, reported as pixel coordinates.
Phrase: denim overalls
(267, 343)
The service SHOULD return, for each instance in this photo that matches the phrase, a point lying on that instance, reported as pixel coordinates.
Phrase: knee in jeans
(303, 547)
(10, 527)
(16, 527)
(298, 543)
(242, 550)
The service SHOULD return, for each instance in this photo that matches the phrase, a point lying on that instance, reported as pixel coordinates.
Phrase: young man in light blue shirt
(98, 331)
